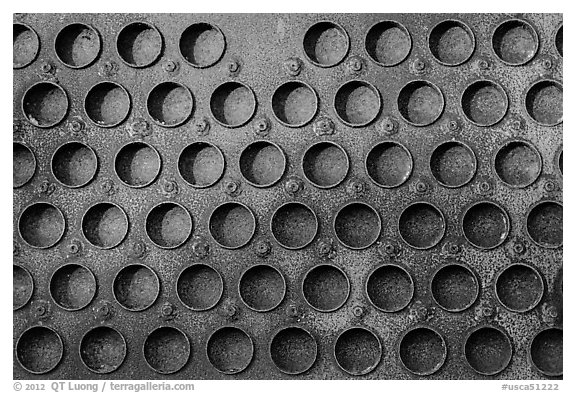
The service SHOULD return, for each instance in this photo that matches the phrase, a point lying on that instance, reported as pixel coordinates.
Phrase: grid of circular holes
(420, 103)
(390, 288)
(202, 45)
(45, 104)
(485, 225)
(25, 45)
(544, 224)
(515, 42)
(357, 103)
(294, 103)
(453, 164)
(103, 349)
(139, 44)
(74, 164)
(421, 225)
(105, 225)
(232, 225)
(72, 286)
(169, 104)
(325, 164)
(559, 40)
(357, 225)
(389, 164)
(388, 43)
(544, 102)
(230, 350)
(451, 42)
(422, 350)
(136, 287)
(293, 350)
(22, 287)
(232, 104)
(357, 351)
(519, 287)
(166, 350)
(107, 104)
(41, 225)
(546, 351)
(294, 225)
(137, 164)
(484, 103)
(201, 164)
(200, 287)
(168, 225)
(326, 44)
(325, 288)
(518, 163)
(77, 45)
(262, 164)
(39, 349)
(262, 288)
(23, 164)
(488, 350)
(454, 287)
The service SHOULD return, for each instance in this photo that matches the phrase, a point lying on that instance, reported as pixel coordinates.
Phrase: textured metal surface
(287, 196)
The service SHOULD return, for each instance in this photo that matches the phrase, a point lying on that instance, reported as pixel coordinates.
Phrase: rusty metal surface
(287, 196)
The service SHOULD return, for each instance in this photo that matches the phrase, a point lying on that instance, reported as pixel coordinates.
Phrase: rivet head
(324, 126)
(46, 187)
(325, 248)
(202, 126)
(292, 311)
(232, 187)
(103, 310)
(453, 125)
(261, 126)
(389, 125)
(169, 187)
(107, 187)
(355, 188)
(76, 126)
(263, 248)
(483, 65)
(358, 311)
(355, 64)
(41, 309)
(421, 186)
(547, 63)
(75, 246)
(138, 249)
(550, 186)
(233, 66)
(46, 67)
(169, 66)
(200, 247)
(293, 185)
(519, 248)
(484, 187)
(293, 66)
(108, 68)
(418, 66)
(167, 311)
(139, 127)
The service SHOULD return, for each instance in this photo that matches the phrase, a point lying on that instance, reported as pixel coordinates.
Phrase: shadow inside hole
(103, 349)
(202, 44)
(262, 288)
(357, 103)
(74, 164)
(293, 350)
(294, 225)
(201, 164)
(420, 103)
(390, 288)
(358, 351)
(294, 103)
(167, 350)
(22, 287)
(25, 45)
(451, 42)
(139, 44)
(326, 288)
(544, 224)
(422, 351)
(484, 103)
(389, 164)
(518, 164)
(45, 104)
(388, 43)
(515, 42)
(41, 225)
(168, 225)
(170, 104)
(200, 287)
(486, 225)
(544, 102)
(233, 104)
(136, 287)
(232, 225)
(325, 164)
(73, 287)
(357, 225)
(105, 225)
(39, 349)
(326, 44)
(453, 164)
(546, 351)
(519, 288)
(77, 45)
(262, 163)
(23, 165)
(488, 350)
(454, 288)
(230, 350)
(422, 225)
(137, 164)
(107, 104)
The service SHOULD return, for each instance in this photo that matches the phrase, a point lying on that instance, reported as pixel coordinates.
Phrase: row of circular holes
(325, 44)
(421, 350)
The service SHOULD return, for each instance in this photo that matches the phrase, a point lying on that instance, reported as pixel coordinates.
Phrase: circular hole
(230, 350)
(24, 164)
(546, 351)
(22, 287)
(357, 225)
(169, 104)
(326, 44)
(77, 45)
(484, 103)
(422, 351)
(139, 44)
(293, 350)
(45, 104)
(73, 287)
(325, 288)
(168, 225)
(519, 287)
(420, 103)
(488, 350)
(233, 104)
(103, 349)
(137, 164)
(202, 45)
(41, 225)
(325, 164)
(453, 164)
(26, 45)
(39, 349)
(518, 164)
(199, 287)
(561, 162)
(388, 43)
(167, 350)
(136, 287)
(451, 42)
(485, 225)
(357, 351)
(262, 288)
(105, 225)
(74, 164)
(389, 164)
(559, 40)
(201, 164)
(262, 163)
(294, 103)
(544, 224)
(454, 287)
(544, 102)
(232, 225)
(294, 225)
(357, 103)
(422, 225)
(390, 288)
(107, 104)
(515, 42)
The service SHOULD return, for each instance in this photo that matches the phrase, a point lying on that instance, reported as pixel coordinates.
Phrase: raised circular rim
(260, 265)
(498, 87)
(378, 267)
(23, 65)
(54, 123)
(429, 84)
(454, 263)
(267, 185)
(506, 216)
(149, 25)
(157, 286)
(366, 329)
(14, 308)
(93, 155)
(348, 204)
(301, 84)
(288, 327)
(342, 31)
(508, 143)
(90, 27)
(461, 144)
(90, 331)
(233, 202)
(410, 330)
(398, 144)
(93, 279)
(185, 118)
(331, 266)
(252, 95)
(56, 364)
(126, 219)
(213, 26)
(529, 350)
(480, 327)
(171, 202)
(540, 280)
(396, 24)
(64, 227)
(116, 84)
(533, 33)
(306, 207)
(189, 347)
(134, 142)
(22, 144)
(198, 264)
(206, 347)
(365, 84)
(561, 27)
(554, 82)
(436, 208)
(199, 142)
(327, 143)
(466, 28)
(530, 209)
